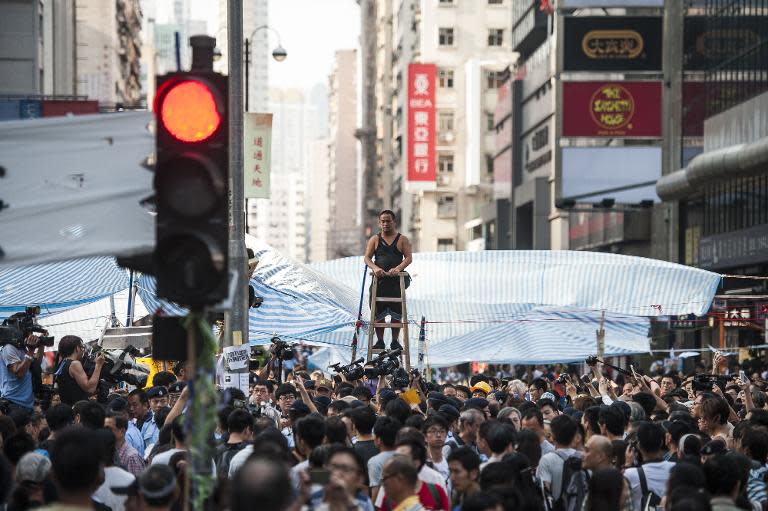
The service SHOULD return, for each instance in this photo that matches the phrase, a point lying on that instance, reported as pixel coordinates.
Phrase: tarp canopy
(73, 188)
(501, 306)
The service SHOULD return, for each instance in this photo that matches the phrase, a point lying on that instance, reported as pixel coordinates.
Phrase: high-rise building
(346, 231)
(108, 51)
(255, 20)
(318, 215)
(37, 47)
(469, 42)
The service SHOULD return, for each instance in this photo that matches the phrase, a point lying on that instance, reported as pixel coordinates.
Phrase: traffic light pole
(236, 320)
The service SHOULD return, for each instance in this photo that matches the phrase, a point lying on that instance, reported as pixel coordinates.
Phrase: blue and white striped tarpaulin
(59, 286)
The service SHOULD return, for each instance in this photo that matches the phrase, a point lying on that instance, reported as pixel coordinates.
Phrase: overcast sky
(311, 31)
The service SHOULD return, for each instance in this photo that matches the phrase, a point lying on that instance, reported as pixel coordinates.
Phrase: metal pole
(236, 321)
(247, 71)
(129, 319)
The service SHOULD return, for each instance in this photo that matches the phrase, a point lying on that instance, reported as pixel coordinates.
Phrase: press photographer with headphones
(15, 377)
(73, 382)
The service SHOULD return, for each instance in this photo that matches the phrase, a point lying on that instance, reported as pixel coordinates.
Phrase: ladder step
(385, 325)
(388, 299)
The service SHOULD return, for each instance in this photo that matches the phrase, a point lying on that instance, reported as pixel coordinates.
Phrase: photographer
(73, 383)
(15, 377)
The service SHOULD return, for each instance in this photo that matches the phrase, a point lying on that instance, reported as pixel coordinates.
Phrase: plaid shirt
(130, 460)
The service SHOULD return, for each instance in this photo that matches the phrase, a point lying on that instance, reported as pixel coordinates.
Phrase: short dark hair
(67, 345)
(284, 389)
(239, 420)
(650, 436)
(163, 379)
(269, 485)
(403, 466)
(756, 441)
(533, 413)
(541, 403)
(362, 391)
(121, 420)
(142, 395)
(59, 416)
(388, 212)
(418, 449)
(540, 383)
(76, 468)
(92, 415)
(722, 473)
(647, 401)
(336, 449)
(385, 429)
(593, 419)
(563, 429)
(434, 420)
(311, 429)
(466, 456)
(339, 405)
(17, 445)
(335, 430)
(613, 418)
(501, 436)
(398, 409)
(363, 417)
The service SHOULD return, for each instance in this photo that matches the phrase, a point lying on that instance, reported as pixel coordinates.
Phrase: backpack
(571, 467)
(648, 500)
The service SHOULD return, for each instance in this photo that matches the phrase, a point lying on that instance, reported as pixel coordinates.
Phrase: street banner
(236, 357)
(613, 43)
(257, 160)
(612, 109)
(421, 123)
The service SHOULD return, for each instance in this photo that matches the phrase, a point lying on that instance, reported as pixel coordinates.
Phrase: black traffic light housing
(191, 187)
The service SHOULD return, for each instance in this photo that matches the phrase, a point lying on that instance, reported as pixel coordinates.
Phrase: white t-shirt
(165, 457)
(238, 459)
(114, 477)
(656, 475)
(550, 469)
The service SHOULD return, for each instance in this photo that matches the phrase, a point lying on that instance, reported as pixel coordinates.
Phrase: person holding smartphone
(344, 477)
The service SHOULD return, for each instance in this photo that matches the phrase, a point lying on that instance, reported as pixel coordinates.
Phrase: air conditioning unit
(443, 179)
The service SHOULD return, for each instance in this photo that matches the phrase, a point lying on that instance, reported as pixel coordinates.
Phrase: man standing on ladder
(387, 254)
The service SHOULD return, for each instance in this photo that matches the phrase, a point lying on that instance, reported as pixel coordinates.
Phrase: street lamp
(279, 54)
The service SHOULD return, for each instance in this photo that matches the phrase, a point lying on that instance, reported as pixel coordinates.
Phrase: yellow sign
(155, 366)
(612, 107)
(612, 44)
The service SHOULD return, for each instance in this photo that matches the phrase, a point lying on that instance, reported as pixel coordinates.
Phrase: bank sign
(613, 43)
(612, 109)
(421, 122)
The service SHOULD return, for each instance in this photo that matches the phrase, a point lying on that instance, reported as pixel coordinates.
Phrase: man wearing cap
(481, 389)
(155, 489)
(158, 398)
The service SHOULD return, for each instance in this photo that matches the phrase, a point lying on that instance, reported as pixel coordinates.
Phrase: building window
(495, 2)
(445, 78)
(445, 162)
(445, 122)
(445, 245)
(446, 205)
(489, 164)
(445, 36)
(493, 79)
(446, 2)
(490, 125)
(495, 36)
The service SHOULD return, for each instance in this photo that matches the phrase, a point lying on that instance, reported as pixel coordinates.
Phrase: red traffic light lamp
(189, 111)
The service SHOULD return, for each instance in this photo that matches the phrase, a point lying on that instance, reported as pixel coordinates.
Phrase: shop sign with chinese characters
(421, 123)
(257, 157)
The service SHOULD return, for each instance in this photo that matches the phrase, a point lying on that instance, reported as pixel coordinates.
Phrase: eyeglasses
(287, 397)
(436, 432)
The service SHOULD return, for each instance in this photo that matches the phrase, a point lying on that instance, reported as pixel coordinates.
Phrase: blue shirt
(16, 390)
(149, 431)
(134, 438)
(363, 501)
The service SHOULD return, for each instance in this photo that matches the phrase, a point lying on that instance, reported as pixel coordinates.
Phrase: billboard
(587, 170)
(257, 157)
(612, 109)
(421, 123)
(613, 43)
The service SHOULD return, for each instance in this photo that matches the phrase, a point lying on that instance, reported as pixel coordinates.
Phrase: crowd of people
(610, 439)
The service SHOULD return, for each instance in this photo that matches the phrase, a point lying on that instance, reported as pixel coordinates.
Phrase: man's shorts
(389, 309)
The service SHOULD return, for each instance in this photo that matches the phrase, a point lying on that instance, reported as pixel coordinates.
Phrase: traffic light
(191, 187)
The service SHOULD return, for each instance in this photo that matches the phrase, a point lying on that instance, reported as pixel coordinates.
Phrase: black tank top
(69, 391)
(387, 256)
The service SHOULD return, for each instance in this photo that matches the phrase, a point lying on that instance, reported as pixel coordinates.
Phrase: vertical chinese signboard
(421, 123)
(257, 157)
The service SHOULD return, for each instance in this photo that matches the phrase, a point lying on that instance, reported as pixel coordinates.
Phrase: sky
(310, 31)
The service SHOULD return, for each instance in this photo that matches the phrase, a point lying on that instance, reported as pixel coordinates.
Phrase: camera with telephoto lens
(352, 371)
(119, 367)
(280, 349)
(384, 364)
(16, 328)
(562, 379)
(704, 382)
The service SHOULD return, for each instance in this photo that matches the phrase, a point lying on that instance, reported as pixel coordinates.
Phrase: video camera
(384, 364)
(118, 367)
(21, 325)
(280, 349)
(352, 371)
(704, 382)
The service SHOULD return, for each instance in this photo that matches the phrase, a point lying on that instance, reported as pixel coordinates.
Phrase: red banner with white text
(422, 81)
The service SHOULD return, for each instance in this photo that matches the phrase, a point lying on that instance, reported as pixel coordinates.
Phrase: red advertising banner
(612, 109)
(55, 108)
(421, 122)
